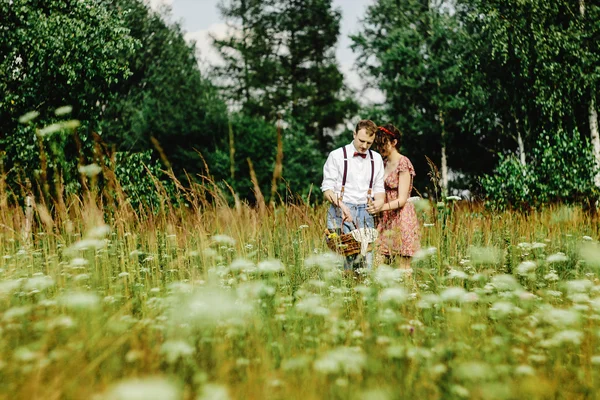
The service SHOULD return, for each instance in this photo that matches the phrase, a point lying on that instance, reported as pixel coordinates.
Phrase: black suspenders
(344, 176)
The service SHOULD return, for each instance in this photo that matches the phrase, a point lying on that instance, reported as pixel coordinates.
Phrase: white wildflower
(342, 360)
(90, 170)
(395, 295)
(551, 276)
(39, 283)
(312, 305)
(525, 370)
(144, 389)
(212, 391)
(173, 350)
(325, 261)
(79, 300)
(526, 267)
(271, 266)
(485, 255)
(224, 240)
(557, 257)
(453, 294)
(579, 286)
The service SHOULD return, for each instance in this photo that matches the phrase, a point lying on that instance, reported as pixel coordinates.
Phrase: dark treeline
(501, 95)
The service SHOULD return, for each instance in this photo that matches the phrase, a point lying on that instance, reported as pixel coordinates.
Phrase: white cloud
(157, 4)
(205, 52)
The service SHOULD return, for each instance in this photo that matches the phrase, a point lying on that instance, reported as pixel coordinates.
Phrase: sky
(199, 17)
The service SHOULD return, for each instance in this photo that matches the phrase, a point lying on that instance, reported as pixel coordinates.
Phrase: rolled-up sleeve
(378, 180)
(330, 174)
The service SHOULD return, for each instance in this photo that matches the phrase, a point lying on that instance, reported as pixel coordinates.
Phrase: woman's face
(384, 148)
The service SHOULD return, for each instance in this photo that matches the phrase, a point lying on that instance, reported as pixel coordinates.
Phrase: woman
(399, 234)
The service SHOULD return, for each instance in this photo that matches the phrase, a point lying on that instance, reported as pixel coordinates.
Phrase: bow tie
(357, 154)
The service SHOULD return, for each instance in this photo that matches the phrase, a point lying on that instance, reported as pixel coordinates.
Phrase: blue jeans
(361, 219)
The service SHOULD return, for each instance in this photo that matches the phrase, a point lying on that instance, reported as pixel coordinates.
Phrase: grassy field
(218, 302)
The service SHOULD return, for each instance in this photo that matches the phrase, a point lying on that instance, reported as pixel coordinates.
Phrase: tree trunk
(595, 140)
(593, 120)
(521, 149)
(444, 157)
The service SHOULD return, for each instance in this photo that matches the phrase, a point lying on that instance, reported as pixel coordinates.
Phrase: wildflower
(395, 295)
(64, 110)
(312, 305)
(579, 286)
(559, 317)
(526, 267)
(213, 391)
(303, 227)
(346, 360)
(551, 276)
(241, 264)
(525, 370)
(223, 240)
(387, 276)
(454, 198)
(90, 170)
(557, 257)
(536, 245)
(426, 225)
(424, 253)
(78, 262)
(31, 115)
(144, 389)
(173, 350)
(325, 261)
(567, 337)
(206, 307)
(457, 274)
(590, 253)
(505, 282)
(485, 255)
(80, 300)
(453, 294)
(502, 309)
(587, 238)
(38, 283)
(271, 266)
(123, 274)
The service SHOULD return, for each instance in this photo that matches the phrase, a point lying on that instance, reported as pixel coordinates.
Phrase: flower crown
(385, 130)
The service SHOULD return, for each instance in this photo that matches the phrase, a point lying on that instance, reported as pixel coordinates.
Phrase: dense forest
(497, 97)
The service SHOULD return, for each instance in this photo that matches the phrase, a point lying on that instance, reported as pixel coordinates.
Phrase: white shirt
(357, 177)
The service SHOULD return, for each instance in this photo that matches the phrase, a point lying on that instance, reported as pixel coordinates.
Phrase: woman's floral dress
(399, 233)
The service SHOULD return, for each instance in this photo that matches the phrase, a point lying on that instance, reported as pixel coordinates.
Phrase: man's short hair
(369, 126)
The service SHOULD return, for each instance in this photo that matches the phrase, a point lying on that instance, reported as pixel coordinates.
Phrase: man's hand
(346, 214)
(374, 206)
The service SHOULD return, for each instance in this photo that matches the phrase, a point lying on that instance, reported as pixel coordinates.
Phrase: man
(353, 178)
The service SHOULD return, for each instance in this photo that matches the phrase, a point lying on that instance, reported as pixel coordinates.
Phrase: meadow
(218, 302)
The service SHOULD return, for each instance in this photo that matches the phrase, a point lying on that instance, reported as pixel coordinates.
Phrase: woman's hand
(375, 206)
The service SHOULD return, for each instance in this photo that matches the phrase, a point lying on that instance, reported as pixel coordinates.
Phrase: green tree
(166, 97)
(282, 58)
(52, 54)
(411, 51)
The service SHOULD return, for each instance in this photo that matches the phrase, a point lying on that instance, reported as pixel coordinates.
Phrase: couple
(359, 185)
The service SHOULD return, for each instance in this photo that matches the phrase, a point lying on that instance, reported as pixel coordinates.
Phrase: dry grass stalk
(260, 199)
(278, 170)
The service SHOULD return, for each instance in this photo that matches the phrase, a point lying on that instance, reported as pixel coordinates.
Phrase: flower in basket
(332, 235)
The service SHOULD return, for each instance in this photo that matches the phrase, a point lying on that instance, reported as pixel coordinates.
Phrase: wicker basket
(344, 244)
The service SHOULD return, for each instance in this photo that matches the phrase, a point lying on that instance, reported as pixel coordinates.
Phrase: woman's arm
(404, 179)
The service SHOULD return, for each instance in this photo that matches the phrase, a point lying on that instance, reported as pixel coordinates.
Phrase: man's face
(362, 142)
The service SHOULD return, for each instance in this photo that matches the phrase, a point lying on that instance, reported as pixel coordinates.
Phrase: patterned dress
(399, 232)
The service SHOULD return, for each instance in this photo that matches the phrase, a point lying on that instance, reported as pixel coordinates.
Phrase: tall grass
(210, 302)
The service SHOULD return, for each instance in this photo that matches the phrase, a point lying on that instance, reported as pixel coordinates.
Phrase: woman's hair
(386, 134)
